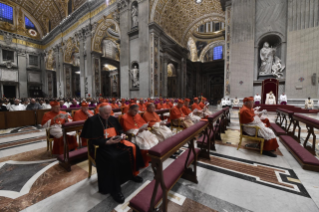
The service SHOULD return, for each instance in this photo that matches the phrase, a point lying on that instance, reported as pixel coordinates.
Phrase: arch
(102, 32)
(199, 21)
(191, 46)
(281, 36)
(209, 46)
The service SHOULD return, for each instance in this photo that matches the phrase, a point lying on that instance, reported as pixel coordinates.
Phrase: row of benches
(150, 197)
(305, 154)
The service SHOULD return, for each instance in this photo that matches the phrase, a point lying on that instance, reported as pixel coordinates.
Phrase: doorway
(9, 91)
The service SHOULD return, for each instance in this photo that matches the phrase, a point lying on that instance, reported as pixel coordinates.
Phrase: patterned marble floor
(232, 180)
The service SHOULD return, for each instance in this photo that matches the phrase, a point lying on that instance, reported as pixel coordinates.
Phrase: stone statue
(267, 56)
(134, 77)
(134, 16)
(277, 68)
(76, 59)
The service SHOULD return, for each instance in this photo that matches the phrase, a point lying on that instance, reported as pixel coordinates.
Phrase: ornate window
(33, 60)
(6, 13)
(218, 52)
(7, 55)
(28, 23)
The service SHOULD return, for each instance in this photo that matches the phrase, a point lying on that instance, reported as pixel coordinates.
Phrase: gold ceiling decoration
(177, 17)
(41, 10)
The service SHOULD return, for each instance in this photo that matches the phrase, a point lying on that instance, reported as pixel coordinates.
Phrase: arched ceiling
(177, 17)
(54, 10)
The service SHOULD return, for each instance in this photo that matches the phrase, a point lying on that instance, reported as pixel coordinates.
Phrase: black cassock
(115, 162)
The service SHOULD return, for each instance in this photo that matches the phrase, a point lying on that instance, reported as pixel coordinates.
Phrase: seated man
(103, 101)
(62, 104)
(178, 117)
(224, 102)
(283, 99)
(158, 127)
(248, 117)
(169, 103)
(34, 105)
(124, 106)
(195, 105)
(309, 104)
(3, 108)
(161, 105)
(188, 112)
(16, 106)
(236, 102)
(270, 98)
(113, 104)
(54, 120)
(81, 115)
(141, 105)
(257, 99)
(117, 160)
(74, 104)
(132, 123)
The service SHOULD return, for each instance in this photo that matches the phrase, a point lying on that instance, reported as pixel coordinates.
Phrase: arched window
(28, 23)
(218, 52)
(6, 13)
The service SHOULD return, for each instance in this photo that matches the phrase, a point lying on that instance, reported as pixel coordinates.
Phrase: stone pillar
(67, 73)
(23, 75)
(81, 39)
(227, 49)
(96, 74)
(183, 79)
(89, 64)
(44, 75)
(165, 75)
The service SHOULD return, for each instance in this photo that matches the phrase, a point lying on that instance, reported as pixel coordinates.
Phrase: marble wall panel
(9, 75)
(34, 77)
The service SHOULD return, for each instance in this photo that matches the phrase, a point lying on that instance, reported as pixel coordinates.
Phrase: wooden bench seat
(303, 156)
(149, 197)
(277, 129)
(142, 201)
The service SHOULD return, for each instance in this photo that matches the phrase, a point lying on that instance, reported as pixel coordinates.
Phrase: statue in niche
(134, 73)
(76, 59)
(270, 64)
(134, 16)
(267, 56)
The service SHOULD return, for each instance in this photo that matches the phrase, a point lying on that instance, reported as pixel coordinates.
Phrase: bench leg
(90, 169)
(261, 147)
(240, 140)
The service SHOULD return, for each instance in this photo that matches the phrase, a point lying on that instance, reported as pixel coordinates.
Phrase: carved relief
(50, 60)
(71, 48)
(7, 38)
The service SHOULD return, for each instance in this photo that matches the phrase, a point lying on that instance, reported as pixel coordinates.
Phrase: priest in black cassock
(117, 160)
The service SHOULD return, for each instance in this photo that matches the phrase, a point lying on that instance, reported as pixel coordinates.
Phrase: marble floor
(232, 181)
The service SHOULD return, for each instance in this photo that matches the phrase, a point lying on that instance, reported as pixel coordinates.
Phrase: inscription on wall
(9, 75)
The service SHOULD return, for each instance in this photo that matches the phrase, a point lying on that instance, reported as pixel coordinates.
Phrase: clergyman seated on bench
(158, 126)
(248, 117)
(117, 160)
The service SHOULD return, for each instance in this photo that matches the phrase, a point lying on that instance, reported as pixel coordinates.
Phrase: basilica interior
(232, 84)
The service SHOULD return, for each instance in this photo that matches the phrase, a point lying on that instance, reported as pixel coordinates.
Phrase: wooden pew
(3, 118)
(304, 155)
(79, 154)
(20, 118)
(150, 197)
(207, 141)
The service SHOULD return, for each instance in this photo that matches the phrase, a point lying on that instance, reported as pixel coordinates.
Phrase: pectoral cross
(106, 134)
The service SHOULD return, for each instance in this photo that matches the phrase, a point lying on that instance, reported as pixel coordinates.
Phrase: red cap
(180, 101)
(54, 103)
(113, 99)
(187, 100)
(84, 104)
(122, 100)
(195, 98)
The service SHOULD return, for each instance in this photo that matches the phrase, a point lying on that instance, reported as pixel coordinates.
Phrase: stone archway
(210, 46)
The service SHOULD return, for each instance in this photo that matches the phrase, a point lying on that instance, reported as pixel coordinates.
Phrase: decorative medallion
(32, 32)
(7, 38)
(301, 79)
(241, 82)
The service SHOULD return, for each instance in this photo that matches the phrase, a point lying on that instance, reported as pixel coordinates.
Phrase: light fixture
(198, 1)
(78, 72)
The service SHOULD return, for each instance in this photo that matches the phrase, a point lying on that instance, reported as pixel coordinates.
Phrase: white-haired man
(117, 160)
(17, 106)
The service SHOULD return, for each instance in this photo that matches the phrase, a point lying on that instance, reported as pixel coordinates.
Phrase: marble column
(81, 39)
(89, 64)
(44, 75)
(227, 49)
(165, 75)
(23, 76)
(183, 78)
(96, 74)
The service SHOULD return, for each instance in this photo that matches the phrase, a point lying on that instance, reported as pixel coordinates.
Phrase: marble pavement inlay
(17, 177)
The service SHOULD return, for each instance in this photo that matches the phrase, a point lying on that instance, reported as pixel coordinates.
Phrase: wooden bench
(207, 141)
(79, 154)
(150, 197)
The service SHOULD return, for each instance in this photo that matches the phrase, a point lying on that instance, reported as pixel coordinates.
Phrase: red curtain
(267, 86)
